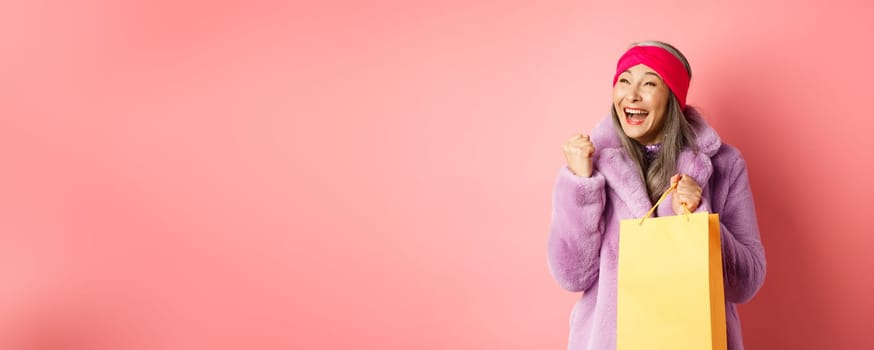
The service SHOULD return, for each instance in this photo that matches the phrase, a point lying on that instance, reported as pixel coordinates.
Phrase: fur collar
(619, 170)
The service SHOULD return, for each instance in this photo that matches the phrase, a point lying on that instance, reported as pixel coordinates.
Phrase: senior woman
(651, 141)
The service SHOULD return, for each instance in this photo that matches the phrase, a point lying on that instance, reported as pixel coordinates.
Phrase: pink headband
(669, 68)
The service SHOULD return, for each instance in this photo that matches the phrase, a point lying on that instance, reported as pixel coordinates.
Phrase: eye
(650, 83)
(623, 80)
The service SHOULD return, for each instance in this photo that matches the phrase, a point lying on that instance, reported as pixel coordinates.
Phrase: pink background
(239, 174)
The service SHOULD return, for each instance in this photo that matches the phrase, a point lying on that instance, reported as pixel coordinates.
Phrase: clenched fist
(688, 193)
(578, 152)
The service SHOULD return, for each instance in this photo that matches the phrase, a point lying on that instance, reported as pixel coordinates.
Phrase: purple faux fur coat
(584, 234)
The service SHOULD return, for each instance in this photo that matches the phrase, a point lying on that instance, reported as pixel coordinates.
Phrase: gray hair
(678, 133)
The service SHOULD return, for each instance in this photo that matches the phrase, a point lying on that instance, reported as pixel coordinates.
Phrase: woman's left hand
(688, 192)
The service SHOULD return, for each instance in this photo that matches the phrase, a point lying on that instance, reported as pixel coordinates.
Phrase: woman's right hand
(578, 152)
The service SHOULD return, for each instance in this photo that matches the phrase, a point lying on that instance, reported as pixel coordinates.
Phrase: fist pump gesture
(578, 152)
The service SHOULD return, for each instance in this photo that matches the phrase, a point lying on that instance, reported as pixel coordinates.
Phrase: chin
(632, 134)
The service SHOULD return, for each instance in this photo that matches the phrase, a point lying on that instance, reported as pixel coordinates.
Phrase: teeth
(634, 111)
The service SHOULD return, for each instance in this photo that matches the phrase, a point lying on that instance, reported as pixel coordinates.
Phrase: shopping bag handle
(662, 198)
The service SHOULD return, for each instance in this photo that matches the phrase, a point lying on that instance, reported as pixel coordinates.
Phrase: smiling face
(640, 98)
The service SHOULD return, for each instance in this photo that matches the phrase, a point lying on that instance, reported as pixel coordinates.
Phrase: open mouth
(635, 116)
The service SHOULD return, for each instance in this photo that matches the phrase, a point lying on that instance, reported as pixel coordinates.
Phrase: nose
(633, 94)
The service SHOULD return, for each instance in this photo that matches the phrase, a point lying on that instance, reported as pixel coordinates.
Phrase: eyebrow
(651, 73)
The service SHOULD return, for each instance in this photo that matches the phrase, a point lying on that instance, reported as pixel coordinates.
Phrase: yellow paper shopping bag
(670, 293)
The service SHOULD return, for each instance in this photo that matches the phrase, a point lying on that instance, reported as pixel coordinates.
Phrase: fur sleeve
(742, 250)
(576, 231)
